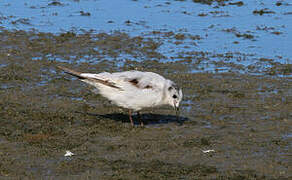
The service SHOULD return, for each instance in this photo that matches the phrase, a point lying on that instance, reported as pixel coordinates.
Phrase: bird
(133, 90)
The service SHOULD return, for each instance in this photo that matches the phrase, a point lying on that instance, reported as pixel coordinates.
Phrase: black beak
(177, 115)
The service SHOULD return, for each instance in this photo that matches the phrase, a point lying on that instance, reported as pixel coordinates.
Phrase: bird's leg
(140, 119)
(130, 117)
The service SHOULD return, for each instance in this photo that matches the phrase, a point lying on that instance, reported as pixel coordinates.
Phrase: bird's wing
(139, 80)
(126, 80)
(92, 78)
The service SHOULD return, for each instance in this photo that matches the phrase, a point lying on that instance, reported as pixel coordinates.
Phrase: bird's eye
(174, 96)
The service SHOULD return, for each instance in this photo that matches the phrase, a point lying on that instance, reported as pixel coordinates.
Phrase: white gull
(133, 90)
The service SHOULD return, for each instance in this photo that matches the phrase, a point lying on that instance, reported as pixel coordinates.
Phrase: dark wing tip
(71, 72)
(96, 80)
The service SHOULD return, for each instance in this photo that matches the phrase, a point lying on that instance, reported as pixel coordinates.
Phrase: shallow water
(222, 29)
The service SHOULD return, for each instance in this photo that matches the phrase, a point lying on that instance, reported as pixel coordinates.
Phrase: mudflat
(245, 118)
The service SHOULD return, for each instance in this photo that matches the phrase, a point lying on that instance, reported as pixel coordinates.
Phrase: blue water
(145, 16)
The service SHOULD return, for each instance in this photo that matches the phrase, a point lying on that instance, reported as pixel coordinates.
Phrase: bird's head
(174, 96)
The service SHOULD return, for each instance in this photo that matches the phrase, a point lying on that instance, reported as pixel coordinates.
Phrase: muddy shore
(244, 117)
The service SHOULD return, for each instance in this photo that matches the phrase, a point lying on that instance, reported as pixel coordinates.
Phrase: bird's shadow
(147, 118)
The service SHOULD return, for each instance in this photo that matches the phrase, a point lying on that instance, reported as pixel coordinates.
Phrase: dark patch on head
(176, 86)
(173, 86)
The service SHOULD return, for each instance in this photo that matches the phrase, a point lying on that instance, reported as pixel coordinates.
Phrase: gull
(133, 90)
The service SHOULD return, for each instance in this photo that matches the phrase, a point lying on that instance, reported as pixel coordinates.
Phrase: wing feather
(89, 77)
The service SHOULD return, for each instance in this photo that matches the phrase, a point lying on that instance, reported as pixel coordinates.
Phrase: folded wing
(89, 77)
